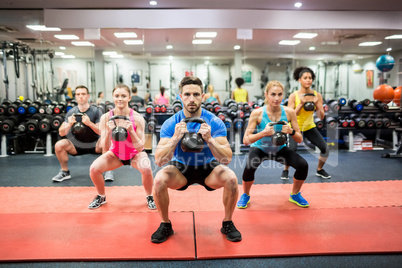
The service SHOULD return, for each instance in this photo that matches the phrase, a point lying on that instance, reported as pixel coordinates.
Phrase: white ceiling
(346, 22)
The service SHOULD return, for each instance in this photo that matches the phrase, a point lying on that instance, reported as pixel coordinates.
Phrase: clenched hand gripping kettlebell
(309, 105)
(119, 133)
(192, 142)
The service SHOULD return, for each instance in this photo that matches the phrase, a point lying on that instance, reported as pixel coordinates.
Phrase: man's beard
(194, 109)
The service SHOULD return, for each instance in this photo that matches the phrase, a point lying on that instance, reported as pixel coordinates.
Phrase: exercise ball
(385, 63)
(397, 95)
(384, 93)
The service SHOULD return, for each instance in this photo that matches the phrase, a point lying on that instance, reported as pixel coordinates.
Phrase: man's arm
(65, 126)
(94, 126)
(219, 146)
(220, 149)
(166, 146)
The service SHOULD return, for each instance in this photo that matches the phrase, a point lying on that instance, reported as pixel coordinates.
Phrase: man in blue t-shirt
(186, 168)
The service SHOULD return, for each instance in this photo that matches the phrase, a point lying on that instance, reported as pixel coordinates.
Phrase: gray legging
(315, 138)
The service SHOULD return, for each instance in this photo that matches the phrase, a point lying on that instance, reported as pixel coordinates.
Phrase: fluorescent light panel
(153, 3)
(133, 42)
(117, 56)
(369, 44)
(59, 53)
(289, 42)
(68, 57)
(82, 44)
(205, 34)
(202, 41)
(330, 43)
(109, 53)
(43, 28)
(237, 47)
(66, 37)
(305, 35)
(169, 47)
(126, 35)
(395, 36)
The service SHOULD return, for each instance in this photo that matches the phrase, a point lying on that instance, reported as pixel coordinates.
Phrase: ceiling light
(66, 37)
(305, 35)
(82, 44)
(169, 47)
(236, 47)
(117, 56)
(330, 43)
(369, 44)
(68, 57)
(133, 42)
(202, 41)
(153, 3)
(298, 4)
(59, 53)
(389, 49)
(205, 35)
(62, 48)
(311, 48)
(126, 35)
(289, 42)
(395, 36)
(43, 28)
(109, 53)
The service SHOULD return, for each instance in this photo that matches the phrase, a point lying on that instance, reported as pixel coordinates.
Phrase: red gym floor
(53, 223)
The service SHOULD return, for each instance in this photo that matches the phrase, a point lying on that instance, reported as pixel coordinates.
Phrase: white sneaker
(108, 176)
(61, 176)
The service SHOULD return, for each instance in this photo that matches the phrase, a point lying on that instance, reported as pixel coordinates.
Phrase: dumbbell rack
(368, 110)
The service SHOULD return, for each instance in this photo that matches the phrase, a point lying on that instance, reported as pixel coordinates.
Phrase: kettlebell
(119, 133)
(309, 105)
(78, 126)
(192, 142)
(278, 138)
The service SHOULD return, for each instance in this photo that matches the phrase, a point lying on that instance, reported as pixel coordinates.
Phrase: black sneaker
(232, 234)
(62, 175)
(321, 173)
(97, 202)
(151, 202)
(285, 175)
(164, 231)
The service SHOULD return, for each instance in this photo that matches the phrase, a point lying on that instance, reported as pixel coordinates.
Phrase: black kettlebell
(78, 126)
(278, 138)
(192, 142)
(119, 133)
(309, 105)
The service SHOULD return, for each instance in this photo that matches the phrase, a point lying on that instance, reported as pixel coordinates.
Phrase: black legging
(315, 138)
(284, 156)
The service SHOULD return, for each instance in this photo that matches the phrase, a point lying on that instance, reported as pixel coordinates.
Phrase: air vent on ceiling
(4, 28)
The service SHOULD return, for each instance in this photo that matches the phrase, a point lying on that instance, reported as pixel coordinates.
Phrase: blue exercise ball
(385, 63)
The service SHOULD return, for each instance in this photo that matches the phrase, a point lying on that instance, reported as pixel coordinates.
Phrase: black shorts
(195, 174)
(81, 151)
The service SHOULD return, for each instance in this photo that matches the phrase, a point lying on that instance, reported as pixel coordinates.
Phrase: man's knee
(229, 178)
